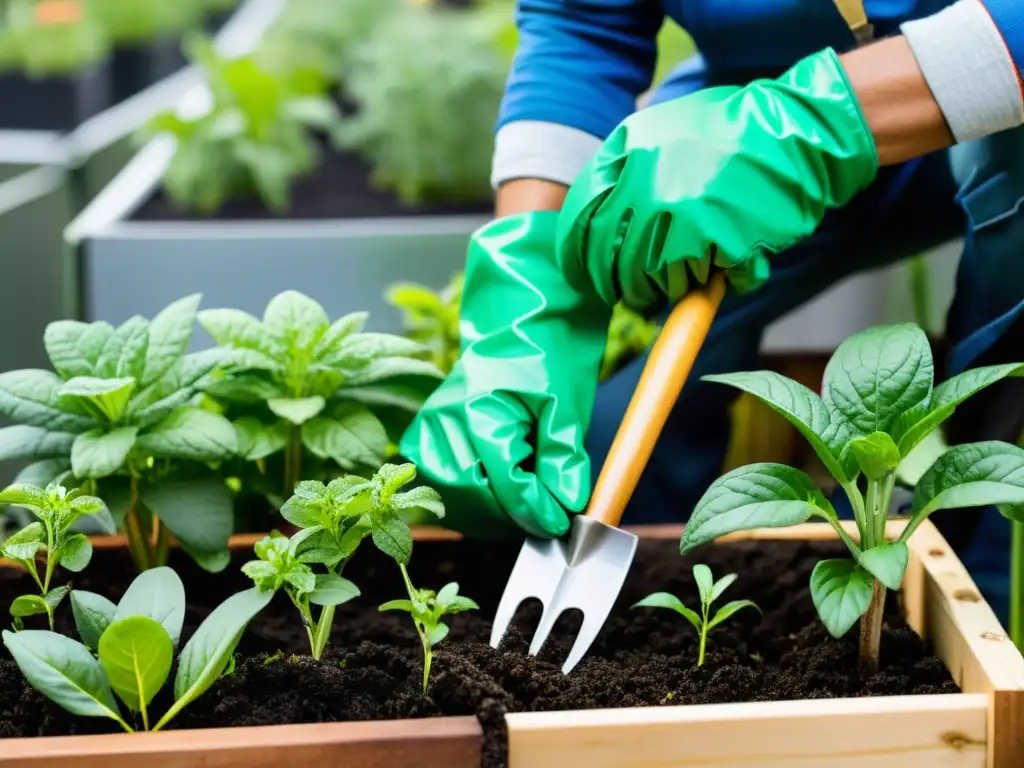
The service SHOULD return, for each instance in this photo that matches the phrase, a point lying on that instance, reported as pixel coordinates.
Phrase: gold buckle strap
(856, 19)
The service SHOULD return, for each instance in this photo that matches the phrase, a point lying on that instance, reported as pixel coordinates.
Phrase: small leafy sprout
(57, 510)
(709, 590)
(128, 650)
(278, 567)
(879, 402)
(427, 608)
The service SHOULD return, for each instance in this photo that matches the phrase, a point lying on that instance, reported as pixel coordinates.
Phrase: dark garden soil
(339, 188)
(642, 658)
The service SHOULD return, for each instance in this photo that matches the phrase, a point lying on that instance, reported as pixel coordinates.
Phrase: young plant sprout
(128, 650)
(878, 402)
(427, 608)
(333, 520)
(57, 509)
(709, 590)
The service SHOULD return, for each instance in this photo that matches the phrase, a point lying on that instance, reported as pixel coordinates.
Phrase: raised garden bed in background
(637, 696)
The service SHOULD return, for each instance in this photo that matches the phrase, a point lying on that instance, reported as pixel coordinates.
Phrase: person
(768, 156)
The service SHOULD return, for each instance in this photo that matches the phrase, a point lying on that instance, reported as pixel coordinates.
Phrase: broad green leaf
(301, 511)
(355, 439)
(297, 318)
(728, 610)
(420, 498)
(176, 387)
(117, 493)
(302, 579)
(721, 585)
(98, 453)
(920, 458)
(199, 512)
(240, 330)
(877, 374)
(42, 473)
(31, 397)
(190, 433)
(75, 552)
(206, 655)
(340, 329)
(257, 440)
(373, 346)
(876, 454)
(437, 633)
(28, 605)
(86, 505)
(394, 476)
(800, 407)
(136, 653)
(705, 582)
(755, 496)
(391, 367)
(109, 396)
(916, 425)
(74, 347)
(64, 671)
(30, 497)
(841, 592)
(157, 594)
(393, 395)
(213, 561)
(169, 335)
(244, 388)
(93, 614)
(461, 603)
(666, 600)
(392, 537)
(55, 595)
(887, 563)
(447, 593)
(396, 605)
(124, 353)
(971, 475)
(24, 544)
(21, 442)
(297, 410)
(333, 590)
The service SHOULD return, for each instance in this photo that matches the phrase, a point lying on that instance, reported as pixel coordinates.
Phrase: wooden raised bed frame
(983, 727)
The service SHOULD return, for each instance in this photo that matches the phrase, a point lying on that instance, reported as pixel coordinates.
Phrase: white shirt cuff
(532, 149)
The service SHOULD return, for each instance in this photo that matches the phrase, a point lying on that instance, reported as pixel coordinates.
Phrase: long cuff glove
(502, 437)
(725, 177)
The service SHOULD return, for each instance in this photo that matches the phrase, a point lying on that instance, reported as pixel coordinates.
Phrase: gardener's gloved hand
(533, 335)
(724, 177)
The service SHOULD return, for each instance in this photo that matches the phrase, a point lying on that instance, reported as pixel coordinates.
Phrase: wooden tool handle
(662, 380)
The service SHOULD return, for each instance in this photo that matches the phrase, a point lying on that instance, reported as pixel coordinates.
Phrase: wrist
(527, 195)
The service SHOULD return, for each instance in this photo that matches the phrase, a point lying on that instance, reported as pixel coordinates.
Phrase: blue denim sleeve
(1008, 16)
(581, 63)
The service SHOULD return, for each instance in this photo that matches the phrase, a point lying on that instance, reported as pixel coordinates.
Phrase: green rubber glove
(724, 177)
(533, 336)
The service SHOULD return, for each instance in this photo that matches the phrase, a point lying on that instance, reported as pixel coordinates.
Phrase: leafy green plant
(57, 37)
(333, 520)
(56, 510)
(431, 319)
(879, 402)
(118, 412)
(629, 335)
(255, 139)
(427, 608)
(427, 86)
(297, 381)
(129, 21)
(128, 650)
(709, 590)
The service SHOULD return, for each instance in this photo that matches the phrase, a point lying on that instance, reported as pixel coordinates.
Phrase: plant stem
(1017, 584)
(145, 715)
(323, 631)
(427, 658)
(51, 556)
(161, 546)
(871, 631)
(136, 539)
(703, 641)
(293, 460)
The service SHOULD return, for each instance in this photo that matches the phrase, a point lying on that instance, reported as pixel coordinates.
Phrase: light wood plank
(945, 731)
(973, 644)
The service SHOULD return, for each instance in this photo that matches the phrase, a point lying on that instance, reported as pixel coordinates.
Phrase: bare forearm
(901, 111)
(525, 195)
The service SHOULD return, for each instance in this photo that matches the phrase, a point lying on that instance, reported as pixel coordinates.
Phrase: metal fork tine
(506, 612)
(588, 633)
(547, 623)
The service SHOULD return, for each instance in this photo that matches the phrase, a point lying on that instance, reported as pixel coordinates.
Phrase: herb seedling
(256, 138)
(118, 411)
(709, 590)
(431, 319)
(57, 511)
(333, 520)
(128, 650)
(297, 381)
(427, 608)
(878, 403)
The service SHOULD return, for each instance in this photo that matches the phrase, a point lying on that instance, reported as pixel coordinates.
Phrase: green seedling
(427, 608)
(57, 510)
(431, 319)
(118, 410)
(709, 590)
(128, 650)
(278, 567)
(299, 385)
(333, 520)
(878, 403)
